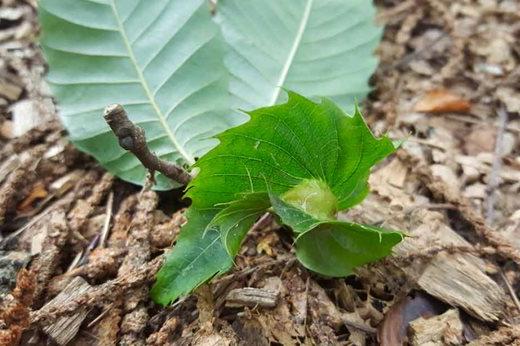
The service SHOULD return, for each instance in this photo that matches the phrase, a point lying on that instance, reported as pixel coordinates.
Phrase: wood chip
(445, 329)
(252, 297)
(8, 166)
(10, 263)
(65, 328)
(456, 281)
(37, 192)
(506, 335)
(10, 91)
(63, 184)
(26, 116)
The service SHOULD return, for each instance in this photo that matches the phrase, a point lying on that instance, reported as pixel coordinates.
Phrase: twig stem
(132, 138)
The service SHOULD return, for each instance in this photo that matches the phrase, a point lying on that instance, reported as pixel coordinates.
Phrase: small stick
(494, 177)
(101, 315)
(106, 224)
(132, 138)
(510, 289)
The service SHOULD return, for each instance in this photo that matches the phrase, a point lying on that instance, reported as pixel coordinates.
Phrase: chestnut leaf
(303, 161)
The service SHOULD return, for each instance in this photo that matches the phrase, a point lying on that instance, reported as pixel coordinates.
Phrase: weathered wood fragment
(445, 329)
(66, 327)
(250, 296)
(455, 280)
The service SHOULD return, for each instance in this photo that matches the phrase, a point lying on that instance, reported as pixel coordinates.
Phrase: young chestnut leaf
(194, 260)
(335, 248)
(331, 247)
(234, 221)
(307, 161)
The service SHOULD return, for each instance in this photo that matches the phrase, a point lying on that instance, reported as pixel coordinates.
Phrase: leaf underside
(161, 59)
(165, 61)
(313, 47)
(280, 150)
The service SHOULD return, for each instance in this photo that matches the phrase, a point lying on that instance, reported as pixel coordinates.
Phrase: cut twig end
(113, 109)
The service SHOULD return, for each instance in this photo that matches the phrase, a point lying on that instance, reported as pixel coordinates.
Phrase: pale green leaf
(314, 47)
(162, 60)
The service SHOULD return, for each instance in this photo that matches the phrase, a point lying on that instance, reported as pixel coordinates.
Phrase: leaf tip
(159, 296)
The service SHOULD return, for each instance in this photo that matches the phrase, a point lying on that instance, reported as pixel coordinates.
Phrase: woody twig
(132, 138)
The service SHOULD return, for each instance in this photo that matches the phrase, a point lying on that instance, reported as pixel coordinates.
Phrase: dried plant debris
(11, 262)
(80, 249)
(509, 335)
(445, 329)
(442, 101)
(15, 309)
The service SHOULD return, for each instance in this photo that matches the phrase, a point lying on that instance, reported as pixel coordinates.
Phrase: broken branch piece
(132, 138)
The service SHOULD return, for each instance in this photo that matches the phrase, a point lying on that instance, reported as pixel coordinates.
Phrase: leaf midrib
(162, 119)
(292, 53)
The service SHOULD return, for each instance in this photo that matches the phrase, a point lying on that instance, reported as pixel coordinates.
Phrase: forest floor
(79, 248)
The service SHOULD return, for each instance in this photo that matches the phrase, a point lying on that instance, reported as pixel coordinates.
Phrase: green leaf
(284, 145)
(307, 160)
(195, 259)
(314, 47)
(162, 60)
(336, 248)
(206, 246)
(290, 215)
(234, 221)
